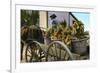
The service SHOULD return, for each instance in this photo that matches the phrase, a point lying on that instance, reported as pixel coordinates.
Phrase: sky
(84, 17)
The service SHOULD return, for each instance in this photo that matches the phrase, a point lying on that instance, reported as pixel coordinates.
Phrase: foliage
(29, 17)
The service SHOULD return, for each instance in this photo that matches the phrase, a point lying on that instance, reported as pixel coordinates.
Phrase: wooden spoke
(59, 50)
(35, 51)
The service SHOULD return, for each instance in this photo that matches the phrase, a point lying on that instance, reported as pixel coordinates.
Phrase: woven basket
(79, 46)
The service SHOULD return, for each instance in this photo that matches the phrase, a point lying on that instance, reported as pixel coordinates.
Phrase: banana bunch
(68, 41)
(67, 34)
(77, 29)
(24, 32)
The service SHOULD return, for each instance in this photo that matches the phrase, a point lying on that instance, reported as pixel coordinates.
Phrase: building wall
(71, 20)
(46, 21)
(43, 19)
(61, 16)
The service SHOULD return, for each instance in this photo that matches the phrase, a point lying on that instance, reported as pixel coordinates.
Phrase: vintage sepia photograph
(48, 36)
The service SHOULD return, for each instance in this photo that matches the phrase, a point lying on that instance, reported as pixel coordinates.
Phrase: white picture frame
(17, 67)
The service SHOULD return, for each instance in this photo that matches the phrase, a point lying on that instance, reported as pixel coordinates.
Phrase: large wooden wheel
(34, 52)
(58, 51)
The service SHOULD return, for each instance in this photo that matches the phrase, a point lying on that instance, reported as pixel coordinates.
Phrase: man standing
(54, 20)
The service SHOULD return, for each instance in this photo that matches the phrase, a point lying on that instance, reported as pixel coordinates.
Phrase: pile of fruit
(66, 33)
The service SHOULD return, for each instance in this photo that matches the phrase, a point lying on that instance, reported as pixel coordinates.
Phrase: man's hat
(53, 16)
